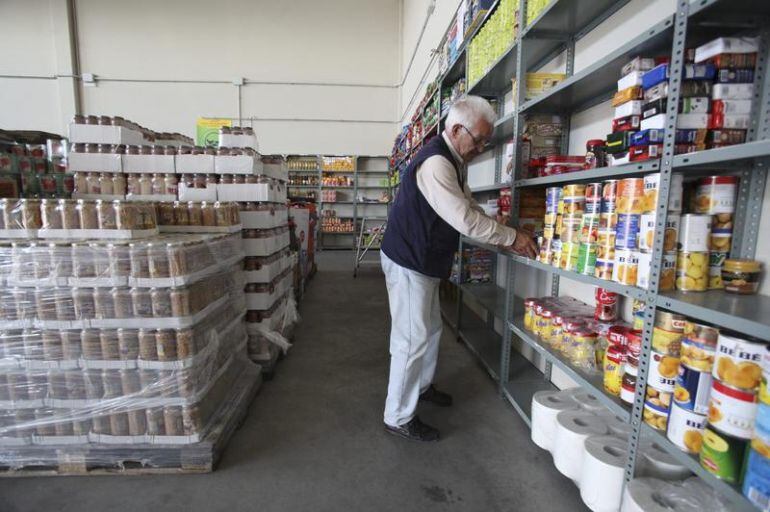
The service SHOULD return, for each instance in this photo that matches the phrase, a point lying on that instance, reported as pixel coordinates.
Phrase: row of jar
(131, 125)
(122, 149)
(171, 255)
(171, 420)
(68, 304)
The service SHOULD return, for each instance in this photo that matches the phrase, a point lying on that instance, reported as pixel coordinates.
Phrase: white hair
(468, 110)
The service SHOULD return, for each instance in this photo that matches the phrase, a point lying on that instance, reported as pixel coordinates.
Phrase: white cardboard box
(683, 122)
(95, 162)
(198, 194)
(264, 219)
(104, 134)
(149, 164)
(252, 192)
(238, 141)
(194, 164)
(238, 164)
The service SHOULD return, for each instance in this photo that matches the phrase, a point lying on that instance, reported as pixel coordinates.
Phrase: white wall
(154, 57)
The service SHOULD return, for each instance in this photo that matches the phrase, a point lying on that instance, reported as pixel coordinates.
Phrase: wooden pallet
(142, 459)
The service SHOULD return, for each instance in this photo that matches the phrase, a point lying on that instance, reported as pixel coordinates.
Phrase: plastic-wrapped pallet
(120, 351)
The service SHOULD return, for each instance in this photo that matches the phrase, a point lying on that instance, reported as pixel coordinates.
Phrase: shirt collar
(452, 150)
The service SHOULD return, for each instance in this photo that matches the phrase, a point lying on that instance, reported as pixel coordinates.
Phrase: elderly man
(433, 207)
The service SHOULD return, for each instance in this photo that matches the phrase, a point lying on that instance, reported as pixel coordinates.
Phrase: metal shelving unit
(554, 31)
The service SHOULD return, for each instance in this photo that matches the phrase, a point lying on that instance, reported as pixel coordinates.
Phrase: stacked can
(693, 385)
(715, 196)
(647, 225)
(589, 230)
(664, 364)
(756, 480)
(630, 199)
(553, 207)
(573, 208)
(693, 254)
(605, 238)
(733, 404)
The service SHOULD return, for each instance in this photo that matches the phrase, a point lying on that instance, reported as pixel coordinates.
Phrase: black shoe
(437, 397)
(415, 430)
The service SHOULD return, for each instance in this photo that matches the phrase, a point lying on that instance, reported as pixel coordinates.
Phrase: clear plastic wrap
(204, 216)
(120, 342)
(691, 495)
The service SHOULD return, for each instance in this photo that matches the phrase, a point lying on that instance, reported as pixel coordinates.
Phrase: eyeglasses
(481, 145)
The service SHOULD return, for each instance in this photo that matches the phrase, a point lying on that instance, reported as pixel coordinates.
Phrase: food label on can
(668, 274)
(586, 262)
(663, 371)
(732, 410)
(697, 355)
(762, 427)
(666, 342)
(713, 198)
(756, 480)
(694, 231)
(738, 362)
(604, 269)
(655, 416)
(627, 231)
(692, 390)
(685, 429)
(630, 195)
(647, 231)
(626, 267)
(764, 394)
(722, 455)
(593, 206)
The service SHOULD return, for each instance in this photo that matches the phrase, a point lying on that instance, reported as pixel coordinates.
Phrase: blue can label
(627, 231)
(692, 390)
(756, 482)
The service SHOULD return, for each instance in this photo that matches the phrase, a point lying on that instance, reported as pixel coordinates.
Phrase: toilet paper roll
(545, 406)
(588, 402)
(601, 480)
(653, 495)
(640, 496)
(655, 462)
(572, 429)
(617, 425)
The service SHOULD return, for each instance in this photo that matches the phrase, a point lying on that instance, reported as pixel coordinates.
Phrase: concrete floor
(313, 439)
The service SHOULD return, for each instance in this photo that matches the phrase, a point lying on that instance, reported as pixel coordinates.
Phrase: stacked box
(136, 342)
(628, 110)
(542, 138)
(34, 170)
(735, 61)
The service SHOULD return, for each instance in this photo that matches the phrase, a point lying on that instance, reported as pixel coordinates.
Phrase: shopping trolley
(369, 238)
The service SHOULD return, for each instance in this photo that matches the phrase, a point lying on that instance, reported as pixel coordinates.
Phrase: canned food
(667, 280)
(655, 415)
(627, 231)
(570, 228)
(625, 269)
(593, 206)
(552, 198)
(608, 220)
(756, 479)
(666, 342)
(732, 410)
(716, 194)
(722, 221)
(662, 372)
(586, 262)
(722, 454)
(614, 362)
(569, 255)
(720, 240)
(762, 429)
(692, 389)
(609, 196)
(697, 355)
(764, 393)
(589, 228)
(685, 429)
(574, 190)
(606, 309)
(630, 195)
(647, 232)
(715, 278)
(604, 269)
(651, 187)
(738, 362)
(694, 233)
(692, 271)
(670, 321)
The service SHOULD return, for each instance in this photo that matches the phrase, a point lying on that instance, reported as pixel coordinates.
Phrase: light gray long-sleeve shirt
(437, 181)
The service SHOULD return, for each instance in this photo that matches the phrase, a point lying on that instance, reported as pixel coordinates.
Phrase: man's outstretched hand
(524, 245)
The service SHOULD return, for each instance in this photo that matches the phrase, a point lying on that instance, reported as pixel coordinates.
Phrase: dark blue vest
(416, 237)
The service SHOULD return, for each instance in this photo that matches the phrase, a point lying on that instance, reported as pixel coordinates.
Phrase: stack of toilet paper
(654, 495)
(589, 445)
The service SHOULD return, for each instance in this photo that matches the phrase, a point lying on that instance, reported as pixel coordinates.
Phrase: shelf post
(676, 67)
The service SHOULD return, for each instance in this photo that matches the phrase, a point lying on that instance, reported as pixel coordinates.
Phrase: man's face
(471, 141)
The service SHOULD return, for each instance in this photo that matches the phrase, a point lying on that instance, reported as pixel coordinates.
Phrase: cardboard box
(197, 194)
(277, 171)
(630, 108)
(238, 141)
(95, 162)
(252, 192)
(238, 164)
(164, 164)
(265, 219)
(91, 133)
(630, 79)
(194, 164)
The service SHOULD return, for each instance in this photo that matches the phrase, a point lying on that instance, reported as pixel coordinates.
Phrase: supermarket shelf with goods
(667, 218)
(353, 184)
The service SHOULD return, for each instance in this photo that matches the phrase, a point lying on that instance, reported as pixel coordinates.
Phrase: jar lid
(530, 301)
(595, 142)
(741, 265)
